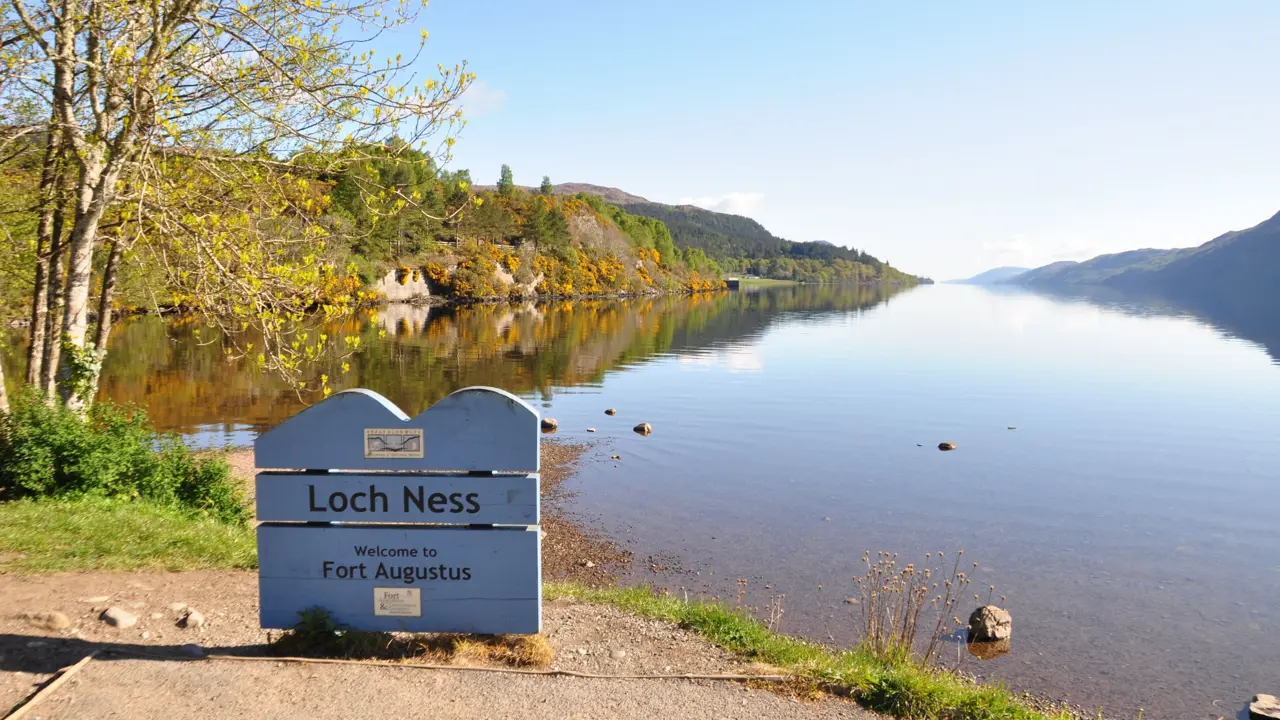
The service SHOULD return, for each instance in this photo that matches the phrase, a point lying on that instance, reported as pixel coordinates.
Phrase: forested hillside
(740, 245)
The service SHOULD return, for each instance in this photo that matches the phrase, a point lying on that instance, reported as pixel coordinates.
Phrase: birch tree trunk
(49, 181)
(105, 316)
(53, 315)
(4, 392)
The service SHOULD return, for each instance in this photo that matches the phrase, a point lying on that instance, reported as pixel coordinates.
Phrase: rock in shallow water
(989, 650)
(946, 446)
(1265, 707)
(549, 424)
(990, 624)
(643, 428)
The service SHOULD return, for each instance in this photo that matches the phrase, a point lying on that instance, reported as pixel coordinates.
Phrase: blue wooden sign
(477, 429)
(397, 498)
(401, 578)
(392, 540)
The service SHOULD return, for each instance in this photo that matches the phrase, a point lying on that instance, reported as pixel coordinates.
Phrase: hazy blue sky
(946, 137)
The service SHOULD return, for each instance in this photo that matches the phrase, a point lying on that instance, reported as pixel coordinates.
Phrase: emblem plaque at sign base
(427, 524)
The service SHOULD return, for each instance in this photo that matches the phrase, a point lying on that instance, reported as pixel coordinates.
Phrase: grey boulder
(990, 624)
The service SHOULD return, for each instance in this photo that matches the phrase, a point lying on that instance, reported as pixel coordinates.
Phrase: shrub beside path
(118, 683)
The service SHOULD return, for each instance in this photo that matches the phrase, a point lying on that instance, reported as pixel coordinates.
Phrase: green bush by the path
(47, 451)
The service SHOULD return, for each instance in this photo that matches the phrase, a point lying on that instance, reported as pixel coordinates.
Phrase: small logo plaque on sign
(393, 443)
(397, 602)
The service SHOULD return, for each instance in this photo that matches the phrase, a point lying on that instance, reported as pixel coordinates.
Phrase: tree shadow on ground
(43, 654)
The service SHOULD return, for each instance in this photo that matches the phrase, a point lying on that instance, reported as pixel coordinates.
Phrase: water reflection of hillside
(417, 355)
(1257, 323)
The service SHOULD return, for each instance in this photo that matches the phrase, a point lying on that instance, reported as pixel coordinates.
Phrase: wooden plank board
(477, 428)
(464, 580)
(397, 498)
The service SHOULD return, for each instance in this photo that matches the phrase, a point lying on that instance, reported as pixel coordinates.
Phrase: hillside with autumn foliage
(522, 245)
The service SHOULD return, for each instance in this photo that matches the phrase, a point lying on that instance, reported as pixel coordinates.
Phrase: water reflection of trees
(417, 355)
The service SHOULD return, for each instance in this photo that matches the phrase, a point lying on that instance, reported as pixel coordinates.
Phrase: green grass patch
(902, 689)
(55, 535)
(764, 282)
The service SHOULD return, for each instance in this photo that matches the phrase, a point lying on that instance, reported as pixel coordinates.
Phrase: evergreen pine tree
(506, 185)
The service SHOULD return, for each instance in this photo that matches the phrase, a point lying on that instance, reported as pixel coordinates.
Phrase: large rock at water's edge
(946, 446)
(643, 428)
(1265, 707)
(990, 624)
(549, 424)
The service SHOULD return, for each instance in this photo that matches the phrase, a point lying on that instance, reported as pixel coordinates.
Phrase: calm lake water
(1132, 518)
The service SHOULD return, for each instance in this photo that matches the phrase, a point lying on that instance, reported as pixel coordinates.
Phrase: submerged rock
(1265, 707)
(946, 446)
(610, 411)
(549, 424)
(989, 650)
(643, 428)
(989, 624)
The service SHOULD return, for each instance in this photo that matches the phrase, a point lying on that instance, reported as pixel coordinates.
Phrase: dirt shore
(153, 668)
(122, 682)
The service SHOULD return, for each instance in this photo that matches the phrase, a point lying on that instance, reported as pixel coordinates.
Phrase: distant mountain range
(1232, 281)
(1241, 267)
(992, 277)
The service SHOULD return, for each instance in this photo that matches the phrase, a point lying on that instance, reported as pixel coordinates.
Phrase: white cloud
(1022, 251)
(735, 360)
(480, 99)
(734, 203)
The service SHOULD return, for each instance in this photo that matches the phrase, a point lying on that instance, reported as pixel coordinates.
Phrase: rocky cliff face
(401, 286)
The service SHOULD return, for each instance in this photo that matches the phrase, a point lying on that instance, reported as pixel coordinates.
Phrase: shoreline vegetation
(102, 514)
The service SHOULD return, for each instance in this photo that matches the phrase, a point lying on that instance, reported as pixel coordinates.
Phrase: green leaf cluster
(50, 451)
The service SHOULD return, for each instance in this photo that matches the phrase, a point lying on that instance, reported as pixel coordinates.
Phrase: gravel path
(588, 638)
(149, 689)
